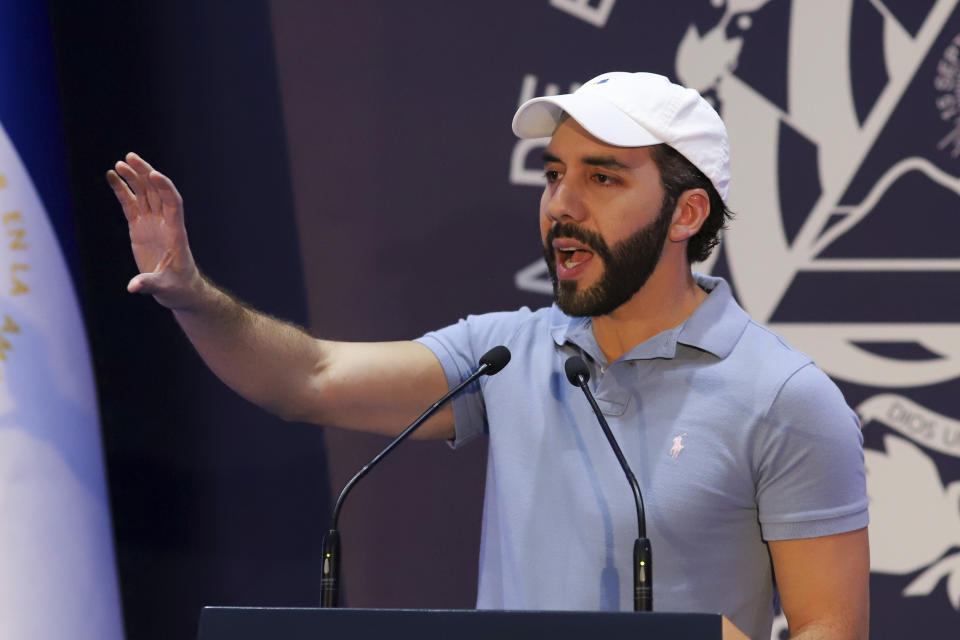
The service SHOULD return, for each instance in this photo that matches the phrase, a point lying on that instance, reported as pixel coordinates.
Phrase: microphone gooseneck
(578, 374)
(490, 363)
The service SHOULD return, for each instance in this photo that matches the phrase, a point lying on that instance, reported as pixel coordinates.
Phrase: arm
(811, 487)
(824, 585)
(374, 387)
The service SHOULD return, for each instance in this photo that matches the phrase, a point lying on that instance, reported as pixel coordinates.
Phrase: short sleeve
(808, 463)
(459, 347)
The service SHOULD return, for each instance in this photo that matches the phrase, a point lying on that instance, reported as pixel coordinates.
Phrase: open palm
(154, 211)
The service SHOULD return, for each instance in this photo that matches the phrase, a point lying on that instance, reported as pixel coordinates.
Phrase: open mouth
(570, 256)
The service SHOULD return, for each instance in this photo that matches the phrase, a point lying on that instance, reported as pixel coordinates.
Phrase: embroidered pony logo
(677, 445)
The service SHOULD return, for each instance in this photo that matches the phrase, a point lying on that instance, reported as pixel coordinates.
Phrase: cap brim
(538, 118)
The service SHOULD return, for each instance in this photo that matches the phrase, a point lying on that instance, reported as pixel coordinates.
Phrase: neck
(665, 301)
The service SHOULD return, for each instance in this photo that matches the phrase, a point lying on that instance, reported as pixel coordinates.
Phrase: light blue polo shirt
(735, 439)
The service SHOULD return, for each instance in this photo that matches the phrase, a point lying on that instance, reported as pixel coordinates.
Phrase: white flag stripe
(57, 575)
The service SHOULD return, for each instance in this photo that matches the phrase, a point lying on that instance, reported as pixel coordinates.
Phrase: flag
(57, 571)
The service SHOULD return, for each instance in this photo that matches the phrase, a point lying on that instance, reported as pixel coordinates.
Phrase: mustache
(591, 239)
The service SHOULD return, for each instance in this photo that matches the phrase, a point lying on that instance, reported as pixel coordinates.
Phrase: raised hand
(272, 363)
(154, 211)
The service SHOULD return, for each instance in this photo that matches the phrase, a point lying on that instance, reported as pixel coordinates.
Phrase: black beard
(627, 266)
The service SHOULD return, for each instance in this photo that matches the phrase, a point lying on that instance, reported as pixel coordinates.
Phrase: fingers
(142, 190)
(171, 203)
(140, 165)
(128, 202)
(143, 169)
(136, 205)
(131, 177)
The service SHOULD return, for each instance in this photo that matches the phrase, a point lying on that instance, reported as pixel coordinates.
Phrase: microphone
(578, 375)
(490, 363)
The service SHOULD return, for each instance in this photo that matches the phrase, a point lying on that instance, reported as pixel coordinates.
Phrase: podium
(256, 623)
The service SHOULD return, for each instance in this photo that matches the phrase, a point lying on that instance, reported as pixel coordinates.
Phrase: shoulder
(760, 364)
(722, 327)
(787, 388)
(502, 325)
(476, 334)
(811, 402)
(794, 378)
(806, 421)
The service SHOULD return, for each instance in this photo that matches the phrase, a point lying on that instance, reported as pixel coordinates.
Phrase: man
(748, 457)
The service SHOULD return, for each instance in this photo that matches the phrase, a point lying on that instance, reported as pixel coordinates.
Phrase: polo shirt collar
(715, 327)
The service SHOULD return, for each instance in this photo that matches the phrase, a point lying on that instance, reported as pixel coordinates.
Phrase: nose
(563, 201)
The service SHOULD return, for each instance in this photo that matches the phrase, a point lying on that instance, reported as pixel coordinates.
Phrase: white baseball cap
(638, 110)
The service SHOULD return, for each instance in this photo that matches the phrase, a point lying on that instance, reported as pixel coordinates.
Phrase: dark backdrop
(210, 503)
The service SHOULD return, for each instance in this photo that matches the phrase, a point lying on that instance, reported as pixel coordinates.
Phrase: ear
(693, 207)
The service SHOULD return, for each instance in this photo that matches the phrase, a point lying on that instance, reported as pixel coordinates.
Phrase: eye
(603, 178)
(551, 175)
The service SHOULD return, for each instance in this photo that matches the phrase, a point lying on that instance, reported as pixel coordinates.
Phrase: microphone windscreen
(576, 370)
(495, 359)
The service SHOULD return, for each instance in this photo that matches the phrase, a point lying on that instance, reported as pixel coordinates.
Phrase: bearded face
(627, 265)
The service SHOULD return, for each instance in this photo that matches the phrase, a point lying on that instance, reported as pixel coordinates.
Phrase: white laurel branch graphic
(909, 502)
(952, 138)
(927, 581)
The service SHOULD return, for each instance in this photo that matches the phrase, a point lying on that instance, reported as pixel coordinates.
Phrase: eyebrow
(549, 157)
(607, 162)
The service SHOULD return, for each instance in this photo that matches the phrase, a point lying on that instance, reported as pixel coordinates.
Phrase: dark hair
(677, 174)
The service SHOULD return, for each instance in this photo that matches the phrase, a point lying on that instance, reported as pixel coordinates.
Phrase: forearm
(368, 386)
(270, 362)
